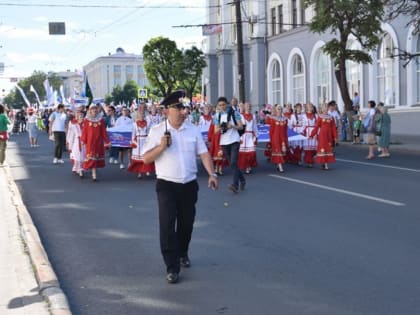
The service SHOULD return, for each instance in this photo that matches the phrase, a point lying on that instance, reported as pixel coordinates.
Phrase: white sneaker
(60, 161)
(55, 161)
(121, 166)
(111, 160)
(115, 161)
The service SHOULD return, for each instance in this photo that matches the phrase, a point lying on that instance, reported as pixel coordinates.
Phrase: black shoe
(185, 262)
(233, 188)
(172, 277)
(242, 185)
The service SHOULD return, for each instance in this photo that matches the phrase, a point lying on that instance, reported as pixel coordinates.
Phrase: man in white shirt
(229, 121)
(58, 123)
(174, 145)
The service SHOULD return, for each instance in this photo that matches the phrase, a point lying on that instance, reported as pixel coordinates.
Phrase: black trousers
(60, 143)
(176, 219)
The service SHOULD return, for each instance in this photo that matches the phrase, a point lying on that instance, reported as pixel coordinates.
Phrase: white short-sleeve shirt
(178, 162)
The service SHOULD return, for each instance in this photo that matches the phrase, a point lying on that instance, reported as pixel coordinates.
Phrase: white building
(284, 61)
(72, 81)
(105, 73)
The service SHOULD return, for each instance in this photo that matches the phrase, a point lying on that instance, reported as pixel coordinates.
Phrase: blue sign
(120, 139)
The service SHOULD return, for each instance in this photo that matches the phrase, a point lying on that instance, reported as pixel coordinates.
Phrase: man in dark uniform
(174, 145)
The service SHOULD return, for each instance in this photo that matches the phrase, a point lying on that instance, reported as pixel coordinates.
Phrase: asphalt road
(343, 241)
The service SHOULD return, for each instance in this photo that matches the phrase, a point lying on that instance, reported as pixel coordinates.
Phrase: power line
(108, 6)
(234, 22)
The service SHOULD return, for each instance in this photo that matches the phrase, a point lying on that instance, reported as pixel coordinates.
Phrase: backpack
(230, 114)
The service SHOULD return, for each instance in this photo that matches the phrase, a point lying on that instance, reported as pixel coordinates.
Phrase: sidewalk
(28, 285)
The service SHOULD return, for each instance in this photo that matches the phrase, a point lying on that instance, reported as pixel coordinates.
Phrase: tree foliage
(162, 64)
(193, 64)
(117, 94)
(130, 91)
(358, 18)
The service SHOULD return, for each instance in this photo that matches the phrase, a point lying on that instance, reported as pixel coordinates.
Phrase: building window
(129, 73)
(294, 13)
(354, 75)
(276, 84)
(386, 77)
(417, 61)
(298, 80)
(280, 12)
(322, 78)
(273, 21)
(117, 75)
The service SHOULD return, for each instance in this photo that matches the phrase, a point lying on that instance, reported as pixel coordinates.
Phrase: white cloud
(24, 58)
(40, 19)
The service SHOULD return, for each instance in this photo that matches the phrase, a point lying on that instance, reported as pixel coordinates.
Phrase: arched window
(298, 80)
(354, 75)
(276, 83)
(322, 77)
(417, 62)
(386, 76)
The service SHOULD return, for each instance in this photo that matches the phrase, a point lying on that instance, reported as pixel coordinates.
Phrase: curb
(49, 287)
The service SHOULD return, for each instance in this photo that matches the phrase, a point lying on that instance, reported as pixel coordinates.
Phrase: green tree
(344, 18)
(108, 99)
(130, 91)
(162, 64)
(193, 64)
(117, 94)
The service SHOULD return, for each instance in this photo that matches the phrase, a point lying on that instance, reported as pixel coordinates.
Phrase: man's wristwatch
(214, 175)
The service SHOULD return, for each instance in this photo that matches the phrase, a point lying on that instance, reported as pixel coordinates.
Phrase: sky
(91, 32)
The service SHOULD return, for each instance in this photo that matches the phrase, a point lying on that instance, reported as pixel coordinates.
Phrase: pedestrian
(94, 139)
(215, 150)
(174, 145)
(110, 120)
(228, 121)
(138, 138)
(124, 120)
(325, 131)
(310, 144)
(357, 124)
(4, 122)
(370, 127)
(279, 139)
(58, 122)
(32, 126)
(383, 130)
(247, 158)
(76, 150)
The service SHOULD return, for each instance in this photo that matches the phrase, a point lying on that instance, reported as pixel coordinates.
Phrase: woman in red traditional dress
(205, 122)
(140, 131)
(310, 144)
(267, 151)
(94, 138)
(326, 132)
(247, 158)
(278, 138)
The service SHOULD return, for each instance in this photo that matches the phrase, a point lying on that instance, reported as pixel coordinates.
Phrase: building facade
(105, 73)
(284, 61)
(72, 82)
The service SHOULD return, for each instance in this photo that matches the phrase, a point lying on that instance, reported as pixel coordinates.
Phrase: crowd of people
(322, 127)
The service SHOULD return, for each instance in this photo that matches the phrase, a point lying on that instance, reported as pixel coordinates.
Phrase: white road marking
(390, 202)
(381, 165)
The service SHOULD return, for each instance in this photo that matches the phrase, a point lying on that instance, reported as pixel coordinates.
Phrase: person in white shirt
(174, 145)
(58, 123)
(126, 120)
(32, 127)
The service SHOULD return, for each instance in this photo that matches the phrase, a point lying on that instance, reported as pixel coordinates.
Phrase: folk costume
(297, 145)
(279, 140)
(326, 132)
(139, 134)
(215, 150)
(74, 144)
(310, 144)
(94, 136)
(247, 149)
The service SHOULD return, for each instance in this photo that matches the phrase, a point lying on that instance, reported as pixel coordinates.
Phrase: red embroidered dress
(278, 139)
(137, 165)
(247, 149)
(94, 136)
(327, 134)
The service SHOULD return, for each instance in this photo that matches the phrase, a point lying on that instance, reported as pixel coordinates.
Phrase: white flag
(48, 92)
(23, 95)
(32, 89)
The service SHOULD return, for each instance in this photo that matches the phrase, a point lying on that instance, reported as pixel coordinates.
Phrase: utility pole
(240, 47)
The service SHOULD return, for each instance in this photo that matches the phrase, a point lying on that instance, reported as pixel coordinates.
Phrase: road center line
(390, 202)
(380, 165)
